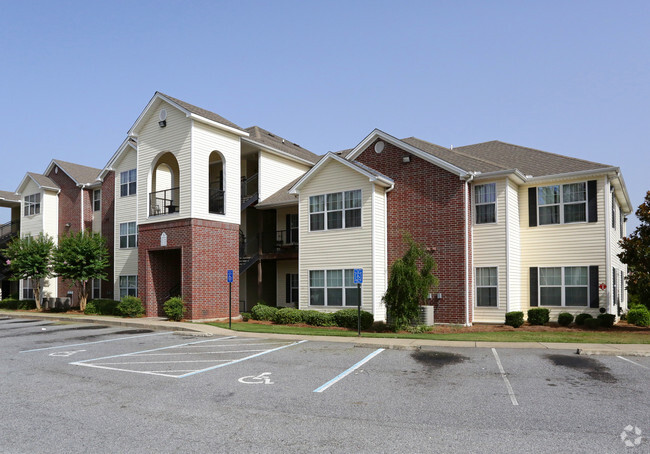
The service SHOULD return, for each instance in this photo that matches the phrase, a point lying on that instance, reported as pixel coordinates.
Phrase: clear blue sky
(570, 77)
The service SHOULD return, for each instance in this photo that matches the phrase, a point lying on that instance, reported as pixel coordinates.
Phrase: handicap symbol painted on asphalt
(66, 353)
(261, 379)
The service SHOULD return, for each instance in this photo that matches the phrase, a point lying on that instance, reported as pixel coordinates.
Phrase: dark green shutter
(592, 201)
(532, 207)
(288, 288)
(593, 286)
(534, 288)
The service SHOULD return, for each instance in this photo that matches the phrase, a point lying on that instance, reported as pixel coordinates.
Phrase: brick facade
(429, 203)
(199, 252)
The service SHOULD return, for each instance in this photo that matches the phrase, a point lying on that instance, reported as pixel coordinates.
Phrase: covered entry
(165, 276)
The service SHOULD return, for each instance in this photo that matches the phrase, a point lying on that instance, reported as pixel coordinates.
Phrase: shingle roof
(281, 197)
(81, 174)
(468, 163)
(42, 180)
(269, 139)
(10, 196)
(202, 112)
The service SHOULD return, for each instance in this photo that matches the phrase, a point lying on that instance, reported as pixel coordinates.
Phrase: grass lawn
(616, 335)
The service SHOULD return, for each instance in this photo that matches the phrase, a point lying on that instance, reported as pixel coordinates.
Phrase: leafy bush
(287, 316)
(564, 319)
(639, 316)
(263, 312)
(606, 320)
(101, 307)
(174, 308)
(16, 304)
(347, 318)
(515, 319)
(317, 318)
(580, 319)
(130, 306)
(538, 316)
(245, 316)
(592, 323)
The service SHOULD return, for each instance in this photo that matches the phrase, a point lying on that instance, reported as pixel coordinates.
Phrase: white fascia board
(372, 178)
(277, 205)
(379, 134)
(24, 181)
(516, 173)
(111, 162)
(214, 124)
(275, 151)
(54, 163)
(133, 131)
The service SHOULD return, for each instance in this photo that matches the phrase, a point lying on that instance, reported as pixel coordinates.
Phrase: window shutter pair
(592, 206)
(593, 286)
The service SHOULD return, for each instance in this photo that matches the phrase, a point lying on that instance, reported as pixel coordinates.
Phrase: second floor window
(485, 199)
(128, 235)
(339, 210)
(562, 204)
(32, 204)
(128, 181)
(97, 200)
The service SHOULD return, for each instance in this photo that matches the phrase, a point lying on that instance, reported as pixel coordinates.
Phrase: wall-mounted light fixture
(67, 224)
(163, 118)
(406, 159)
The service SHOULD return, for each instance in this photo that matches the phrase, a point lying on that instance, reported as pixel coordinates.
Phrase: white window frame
(294, 285)
(346, 285)
(343, 210)
(563, 287)
(96, 284)
(128, 234)
(32, 204)
(128, 183)
(561, 204)
(128, 284)
(478, 203)
(28, 286)
(477, 286)
(97, 200)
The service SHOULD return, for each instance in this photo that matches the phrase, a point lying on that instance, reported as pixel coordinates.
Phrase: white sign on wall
(163, 239)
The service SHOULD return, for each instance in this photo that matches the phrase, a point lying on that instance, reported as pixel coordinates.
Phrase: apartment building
(190, 195)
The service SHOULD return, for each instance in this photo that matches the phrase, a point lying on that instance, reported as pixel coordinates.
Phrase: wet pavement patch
(26, 321)
(588, 366)
(135, 331)
(436, 360)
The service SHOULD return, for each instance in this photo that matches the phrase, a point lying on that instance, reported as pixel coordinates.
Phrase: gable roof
(265, 138)
(81, 175)
(9, 196)
(202, 112)
(280, 197)
(128, 142)
(41, 181)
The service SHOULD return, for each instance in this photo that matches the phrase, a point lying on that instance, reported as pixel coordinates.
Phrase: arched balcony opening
(217, 194)
(165, 188)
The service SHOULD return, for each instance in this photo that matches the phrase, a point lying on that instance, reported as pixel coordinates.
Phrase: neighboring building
(190, 195)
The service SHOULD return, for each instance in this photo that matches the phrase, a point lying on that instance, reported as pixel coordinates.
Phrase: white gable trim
(54, 163)
(379, 134)
(281, 153)
(24, 181)
(382, 181)
(116, 156)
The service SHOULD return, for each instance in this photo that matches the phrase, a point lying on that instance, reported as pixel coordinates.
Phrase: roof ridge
(201, 111)
(487, 161)
(60, 161)
(426, 141)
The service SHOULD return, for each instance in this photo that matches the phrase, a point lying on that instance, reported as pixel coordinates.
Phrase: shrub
(592, 323)
(174, 308)
(263, 312)
(606, 320)
(347, 318)
(16, 304)
(130, 306)
(101, 307)
(564, 319)
(287, 316)
(580, 319)
(639, 316)
(245, 316)
(515, 319)
(538, 316)
(317, 318)
(381, 327)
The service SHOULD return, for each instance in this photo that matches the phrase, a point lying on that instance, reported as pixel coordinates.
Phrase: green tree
(636, 255)
(80, 258)
(30, 258)
(411, 280)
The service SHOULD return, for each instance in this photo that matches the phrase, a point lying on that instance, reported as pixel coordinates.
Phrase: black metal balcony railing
(269, 243)
(216, 201)
(164, 202)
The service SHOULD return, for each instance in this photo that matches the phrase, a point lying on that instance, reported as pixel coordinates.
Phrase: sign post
(230, 279)
(358, 279)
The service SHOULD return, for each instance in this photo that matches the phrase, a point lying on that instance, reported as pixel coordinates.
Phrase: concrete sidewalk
(161, 324)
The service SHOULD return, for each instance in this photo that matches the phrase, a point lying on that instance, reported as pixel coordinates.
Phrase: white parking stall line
(511, 393)
(94, 342)
(633, 362)
(204, 353)
(342, 375)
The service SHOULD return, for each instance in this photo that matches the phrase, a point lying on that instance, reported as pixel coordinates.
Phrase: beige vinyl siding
(379, 248)
(514, 247)
(205, 140)
(125, 260)
(153, 141)
(275, 172)
(489, 243)
(31, 225)
(336, 249)
(281, 216)
(283, 268)
(97, 221)
(576, 244)
(50, 210)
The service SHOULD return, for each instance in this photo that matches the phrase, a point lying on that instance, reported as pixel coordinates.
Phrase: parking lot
(84, 387)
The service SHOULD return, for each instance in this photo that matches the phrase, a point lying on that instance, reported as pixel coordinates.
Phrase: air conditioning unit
(426, 315)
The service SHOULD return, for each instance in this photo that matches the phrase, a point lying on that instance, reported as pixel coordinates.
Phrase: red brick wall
(108, 231)
(207, 250)
(427, 202)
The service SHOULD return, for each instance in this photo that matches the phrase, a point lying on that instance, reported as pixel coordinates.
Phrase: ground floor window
(96, 289)
(128, 286)
(486, 287)
(28, 289)
(332, 288)
(292, 288)
(564, 286)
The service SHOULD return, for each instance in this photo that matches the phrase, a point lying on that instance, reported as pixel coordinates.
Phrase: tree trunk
(37, 295)
(83, 296)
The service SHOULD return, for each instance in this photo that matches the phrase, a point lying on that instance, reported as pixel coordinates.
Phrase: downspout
(372, 248)
(608, 244)
(467, 208)
(507, 221)
(81, 227)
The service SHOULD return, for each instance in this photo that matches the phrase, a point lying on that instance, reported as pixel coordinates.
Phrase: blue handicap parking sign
(358, 275)
(230, 276)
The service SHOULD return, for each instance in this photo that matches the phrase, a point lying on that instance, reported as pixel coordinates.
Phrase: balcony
(275, 245)
(164, 202)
